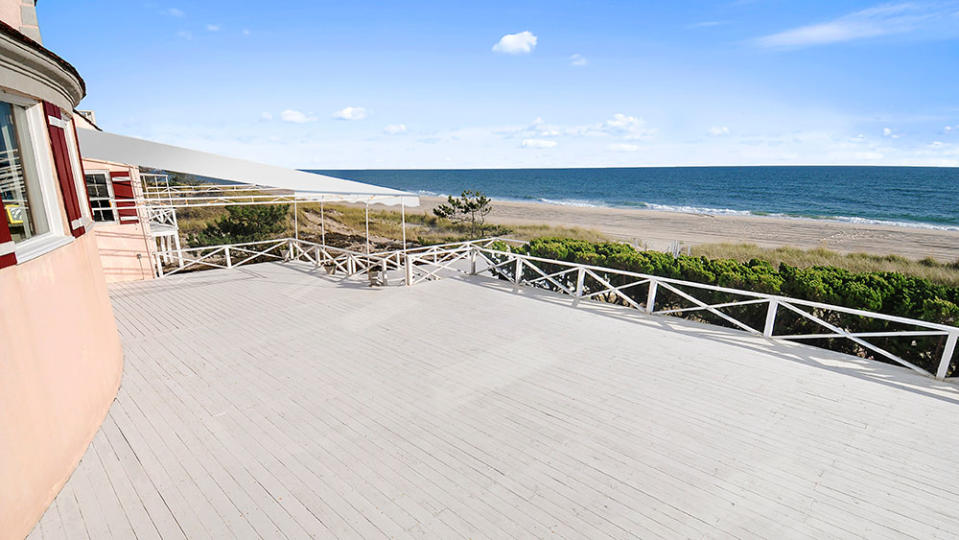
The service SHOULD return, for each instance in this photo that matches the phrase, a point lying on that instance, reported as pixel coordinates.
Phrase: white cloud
(395, 129)
(266, 116)
(718, 131)
(350, 113)
(184, 34)
(629, 127)
(706, 24)
(881, 20)
(538, 143)
(624, 147)
(888, 132)
(174, 12)
(245, 32)
(521, 43)
(296, 117)
(213, 27)
(578, 60)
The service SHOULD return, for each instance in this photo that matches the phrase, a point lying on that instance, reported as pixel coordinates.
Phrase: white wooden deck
(266, 401)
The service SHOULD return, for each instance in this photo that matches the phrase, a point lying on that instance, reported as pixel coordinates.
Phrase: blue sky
(316, 84)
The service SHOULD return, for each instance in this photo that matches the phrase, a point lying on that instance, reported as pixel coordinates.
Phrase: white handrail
(430, 262)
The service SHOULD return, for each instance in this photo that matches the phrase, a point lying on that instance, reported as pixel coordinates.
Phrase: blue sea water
(908, 196)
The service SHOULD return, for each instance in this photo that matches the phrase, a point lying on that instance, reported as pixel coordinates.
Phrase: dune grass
(931, 269)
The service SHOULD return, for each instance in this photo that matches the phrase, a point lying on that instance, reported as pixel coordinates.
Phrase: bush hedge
(883, 292)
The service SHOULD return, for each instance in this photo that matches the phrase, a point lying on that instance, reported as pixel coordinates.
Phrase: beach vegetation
(471, 207)
(240, 224)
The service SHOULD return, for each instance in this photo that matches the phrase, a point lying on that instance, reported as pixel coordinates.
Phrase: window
(19, 184)
(100, 192)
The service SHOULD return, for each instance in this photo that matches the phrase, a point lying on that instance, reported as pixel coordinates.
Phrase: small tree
(243, 224)
(471, 207)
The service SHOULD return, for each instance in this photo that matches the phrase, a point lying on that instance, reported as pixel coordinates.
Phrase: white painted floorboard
(270, 401)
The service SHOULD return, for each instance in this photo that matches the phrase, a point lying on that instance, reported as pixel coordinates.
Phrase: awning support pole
(367, 228)
(403, 219)
(322, 225)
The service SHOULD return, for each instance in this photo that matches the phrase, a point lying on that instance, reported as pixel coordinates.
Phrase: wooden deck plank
(273, 401)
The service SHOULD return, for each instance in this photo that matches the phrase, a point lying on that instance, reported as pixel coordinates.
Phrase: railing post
(580, 278)
(651, 297)
(947, 356)
(159, 263)
(518, 278)
(229, 260)
(409, 270)
(472, 260)
(316, 257)
(771, 317)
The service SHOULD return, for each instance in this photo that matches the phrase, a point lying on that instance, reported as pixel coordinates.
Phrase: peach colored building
(60, 355)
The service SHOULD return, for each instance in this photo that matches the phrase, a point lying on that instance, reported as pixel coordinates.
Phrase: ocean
(925, 197)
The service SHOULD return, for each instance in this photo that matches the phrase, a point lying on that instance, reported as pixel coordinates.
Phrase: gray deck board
(271, 401)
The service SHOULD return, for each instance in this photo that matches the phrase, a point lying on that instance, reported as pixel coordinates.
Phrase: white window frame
(113, 198)
(79, 181)
(39, 139)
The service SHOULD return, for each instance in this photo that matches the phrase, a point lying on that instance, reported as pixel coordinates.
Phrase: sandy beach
(657, 229)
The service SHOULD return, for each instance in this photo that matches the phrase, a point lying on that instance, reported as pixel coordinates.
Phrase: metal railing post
(947, 356)
(651, 296)
(229, 260)
(771, 317)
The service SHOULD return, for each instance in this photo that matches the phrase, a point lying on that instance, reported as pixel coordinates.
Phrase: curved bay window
(19, 185)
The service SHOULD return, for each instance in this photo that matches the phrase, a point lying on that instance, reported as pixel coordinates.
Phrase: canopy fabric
(101, 145)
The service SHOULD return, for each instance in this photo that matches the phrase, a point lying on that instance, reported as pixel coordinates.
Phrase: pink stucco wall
(123, 252)
(60, 368)
(10, 12)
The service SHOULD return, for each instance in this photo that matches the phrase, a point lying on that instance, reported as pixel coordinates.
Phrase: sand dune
(658, 230)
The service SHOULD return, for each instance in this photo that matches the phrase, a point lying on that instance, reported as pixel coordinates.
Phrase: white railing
(587, 282)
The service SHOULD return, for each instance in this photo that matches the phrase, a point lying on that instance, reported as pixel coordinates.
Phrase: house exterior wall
(60, 355)
(124, 247)
(60, 369)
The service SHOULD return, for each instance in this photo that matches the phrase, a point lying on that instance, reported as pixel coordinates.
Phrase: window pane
(18, 184)
(98, 190)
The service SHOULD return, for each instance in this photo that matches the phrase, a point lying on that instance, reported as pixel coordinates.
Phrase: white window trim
(78, 180)
(55, 237)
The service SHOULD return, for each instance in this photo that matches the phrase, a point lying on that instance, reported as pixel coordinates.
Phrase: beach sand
(657, 229)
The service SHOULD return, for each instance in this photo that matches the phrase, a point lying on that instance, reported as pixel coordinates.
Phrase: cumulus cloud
(578, 60)
(718, 131)
(538, 143)
(350, 113)
(521, 43)
(624, 147)
(888, 132)
(213, 28)
(395, 129)
(296, 117)
(880, 20)
(174, 12)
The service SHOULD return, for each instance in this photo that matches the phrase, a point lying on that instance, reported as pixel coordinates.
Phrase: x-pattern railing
(579, 281)
(526, 270)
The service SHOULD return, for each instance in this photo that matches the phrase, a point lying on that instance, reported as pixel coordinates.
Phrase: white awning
(105, 146)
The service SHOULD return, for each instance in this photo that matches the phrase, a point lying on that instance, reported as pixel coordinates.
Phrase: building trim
(29, 68)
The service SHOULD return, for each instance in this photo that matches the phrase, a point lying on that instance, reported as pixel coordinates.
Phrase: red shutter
(84, 196)
(7, 256)
(123, 195)
(61, 159)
